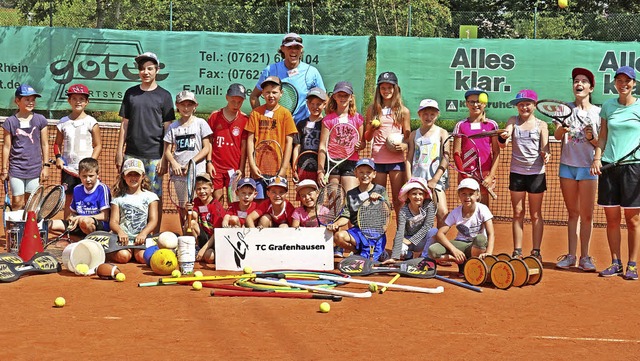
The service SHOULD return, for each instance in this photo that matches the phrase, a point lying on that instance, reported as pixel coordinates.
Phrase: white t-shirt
(469, 228)
(134, 212)
(577, 151)
(187, 139)
(77, 139)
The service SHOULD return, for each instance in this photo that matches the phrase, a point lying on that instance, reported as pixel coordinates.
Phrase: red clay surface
(570, 314)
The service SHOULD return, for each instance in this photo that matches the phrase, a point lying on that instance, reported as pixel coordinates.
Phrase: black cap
(387, 77)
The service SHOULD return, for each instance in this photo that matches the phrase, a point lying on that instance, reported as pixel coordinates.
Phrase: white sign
(274, 248)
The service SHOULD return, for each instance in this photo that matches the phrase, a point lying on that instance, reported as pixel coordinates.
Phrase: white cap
(306, 183)
(428, 103)
(469, 183)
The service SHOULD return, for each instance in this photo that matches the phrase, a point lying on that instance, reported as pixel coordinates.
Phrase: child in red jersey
(275, 212)
(209, 216)
(238, 211)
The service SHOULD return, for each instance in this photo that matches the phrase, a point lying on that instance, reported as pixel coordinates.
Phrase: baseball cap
(366, 161)
(343, 86)
(278, 182)
(317, 92)
(186, 95)
(271, 79)
(292, 39)
(474, 91)
(626, 70)
(78, 89)
(306, 183)
(387, 77)
(582, 71)
(25, 90)
(237, 90)
(247, 182)
(148, 56)
(428, 103)
(133, 165)
(469, 183)
(203, 177)
(525, 94)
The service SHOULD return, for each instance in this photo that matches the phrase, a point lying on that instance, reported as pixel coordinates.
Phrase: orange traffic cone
(31, 242)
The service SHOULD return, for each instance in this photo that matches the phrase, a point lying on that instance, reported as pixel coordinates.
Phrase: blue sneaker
(632, 273)
(613, 270)
(338, 252)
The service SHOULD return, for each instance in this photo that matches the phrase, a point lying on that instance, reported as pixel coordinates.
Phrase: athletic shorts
(150, 166)
(345, 169)
(619, 186)
(221, 179)
(576, 173)
(530, 183)
(363, 245)
(100, 226)
(202, 239)
(20, 186)
(69, 182)
(437, 250)
(386, 168)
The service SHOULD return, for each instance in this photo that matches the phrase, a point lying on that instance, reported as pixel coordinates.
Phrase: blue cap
(25, 90)
(366, 161)
(247, 182)
(278, 182)
(626, 70)
(474, 91)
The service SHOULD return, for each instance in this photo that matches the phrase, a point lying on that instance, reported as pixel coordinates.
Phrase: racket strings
(178, 191)
(342, 141)
(373, 217)
(51, 203)
(330, 203)
(268, 160)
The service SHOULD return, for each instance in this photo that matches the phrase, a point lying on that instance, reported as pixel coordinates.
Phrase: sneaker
(613, 270)
(586, 264)
(567, 261)
(536, 253)
(517, 253)
(632, 273)
(338, 252)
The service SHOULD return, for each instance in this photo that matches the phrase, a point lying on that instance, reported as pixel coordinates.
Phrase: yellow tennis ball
(82, 268)
(247, 270)
(483, 98)
(197, 285)
(60, 302)
(120, 277)
(197, 274)
(373, 287)
(325, 307)
(175, 273)
(375, 123)
(563, 3)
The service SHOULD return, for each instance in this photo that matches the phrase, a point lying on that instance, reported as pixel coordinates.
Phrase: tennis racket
(330, 203)
(373, 218)
(631, 157)
(7, 204)
(191, 188)
(268, 158)
(557, 110)
(33, 202)
(233, 185)
(359, 266)
(306, 166)
(51, 203)
(468, 162)
(289, 97)
(110, 244)
(490, 133)
(343, 138)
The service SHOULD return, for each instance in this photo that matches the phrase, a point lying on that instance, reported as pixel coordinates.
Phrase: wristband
(58, 156)
(56, 150)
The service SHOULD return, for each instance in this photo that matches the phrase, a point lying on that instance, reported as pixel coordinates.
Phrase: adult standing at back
(146, 111)
(291, 69)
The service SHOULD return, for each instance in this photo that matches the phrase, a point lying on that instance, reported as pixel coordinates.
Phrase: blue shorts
(389, 167)
(363, 245)
(576, 173)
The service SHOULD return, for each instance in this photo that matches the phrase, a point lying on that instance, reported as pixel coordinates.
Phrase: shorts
(619, 186)
(363, 245)
(576, 173)
(221, 179)
(202, 239)
(100, 226)
(345, 169)
(20, 186)
(150, 166)
(530, 183)
(69, 182)
(390, 167)
(437, 250)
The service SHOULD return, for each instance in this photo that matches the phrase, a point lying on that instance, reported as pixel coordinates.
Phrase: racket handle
(492, 193)
(188, 221)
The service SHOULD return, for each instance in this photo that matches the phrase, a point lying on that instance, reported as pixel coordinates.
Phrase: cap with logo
(343, 86)
(366, 161)
(278, 181)
(133, 165)
(387, 77)
(525, 95)
(186, 95)
(292, 39)
(318, 93)
(148, 56)
(78, 89)
(271, 80)
(428, 103)
(247, 182)
(25, 90)
(237, 90)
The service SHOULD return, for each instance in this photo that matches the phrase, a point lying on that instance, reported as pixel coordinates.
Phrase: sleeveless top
(379, 151)
(525, 155)
(426, 158)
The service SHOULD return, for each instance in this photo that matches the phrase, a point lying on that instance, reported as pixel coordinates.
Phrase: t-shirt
(91, 202)
(577, 151)
(305, 219)
(234, 210)
(468, 128)
(77, 138)
(623, 128)
(283, 217)
(146, 111)
(469, 228)
(379, 151)
(355, 200)
(187, 139)
(303, 78)
(209, 215)
(134, 212)
(226, 140)
(271, 125)
(25, 155)
(332, 119)
(309, 134)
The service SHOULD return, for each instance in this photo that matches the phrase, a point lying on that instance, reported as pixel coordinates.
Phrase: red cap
(78, 89)
(582, 71)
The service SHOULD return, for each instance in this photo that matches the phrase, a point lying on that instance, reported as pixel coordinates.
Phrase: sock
(617, 261)
(631, 264)
(519, 250)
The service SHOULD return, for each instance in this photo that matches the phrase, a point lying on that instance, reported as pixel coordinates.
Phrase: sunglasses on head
(292, 39)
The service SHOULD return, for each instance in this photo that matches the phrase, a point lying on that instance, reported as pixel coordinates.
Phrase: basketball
(393, 140)
(163, 262)
(148, 253)
(168, 240)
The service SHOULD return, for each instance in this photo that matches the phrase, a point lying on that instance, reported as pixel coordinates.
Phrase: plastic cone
(31, 242)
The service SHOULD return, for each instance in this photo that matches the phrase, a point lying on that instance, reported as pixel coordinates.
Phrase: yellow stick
(395, 278)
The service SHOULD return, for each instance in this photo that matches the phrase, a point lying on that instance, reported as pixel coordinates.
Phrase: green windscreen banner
(443, 69)
(51, 59)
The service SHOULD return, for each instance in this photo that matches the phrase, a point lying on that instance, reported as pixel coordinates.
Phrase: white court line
(562, 338)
